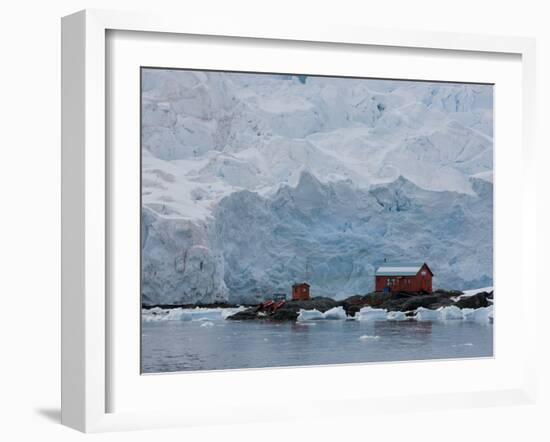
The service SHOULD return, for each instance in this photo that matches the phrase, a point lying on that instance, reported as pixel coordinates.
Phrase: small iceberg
(482, 314)
(369, 338)
(315, 315)
(372, 314)
(188, 314)
(336, 313)
(425, 314)
(310, 315)
(451, 313)
(397, 316)
(178, 314)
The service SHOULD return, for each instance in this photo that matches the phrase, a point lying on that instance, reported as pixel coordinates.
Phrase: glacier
(251, 182)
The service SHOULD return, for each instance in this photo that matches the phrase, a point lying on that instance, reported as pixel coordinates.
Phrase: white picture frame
(86, 207)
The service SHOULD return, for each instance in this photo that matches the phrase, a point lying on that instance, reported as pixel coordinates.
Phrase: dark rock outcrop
(245, 315)
(426, 301)
(318, 303)
(407, 302)
(284, 314)
(400, 301)
(404, 302)
(288, 312)
(476, 301)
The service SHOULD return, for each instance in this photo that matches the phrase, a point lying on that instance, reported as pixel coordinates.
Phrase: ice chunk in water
(336, 313)
(372, 314)
(482, 314)
(369, 338)
(188, 314)
(314, 315)
(396, 316)
(451, 313)
(310, 315)
(425, 314)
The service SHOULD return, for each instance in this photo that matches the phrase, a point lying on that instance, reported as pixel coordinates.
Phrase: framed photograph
(298, 219)
(253, 210)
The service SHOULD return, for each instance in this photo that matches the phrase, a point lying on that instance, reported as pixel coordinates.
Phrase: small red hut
(300, 292)
(403, 278)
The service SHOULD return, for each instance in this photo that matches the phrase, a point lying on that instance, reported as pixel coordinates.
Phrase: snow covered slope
(247, 177)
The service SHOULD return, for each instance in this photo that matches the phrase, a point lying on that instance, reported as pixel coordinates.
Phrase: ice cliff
(250, 181)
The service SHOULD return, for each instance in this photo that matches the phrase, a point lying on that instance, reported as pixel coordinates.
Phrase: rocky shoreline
(392, 302)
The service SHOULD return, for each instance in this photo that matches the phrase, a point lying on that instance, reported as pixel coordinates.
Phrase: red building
(403, 278)
(300, 292)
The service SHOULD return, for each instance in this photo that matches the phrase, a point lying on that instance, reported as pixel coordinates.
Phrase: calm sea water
(169, 346)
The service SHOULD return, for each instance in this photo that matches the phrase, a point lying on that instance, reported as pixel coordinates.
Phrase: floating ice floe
(372, 314)
(451, 313)
(188, 314)
(315, 315)
(336, 313)
(425, 314)
(482, 314)
(310, 315)
(396, 316)
(369, 338)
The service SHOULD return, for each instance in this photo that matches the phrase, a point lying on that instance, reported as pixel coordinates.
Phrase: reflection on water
(185, 345)
(399, 327)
